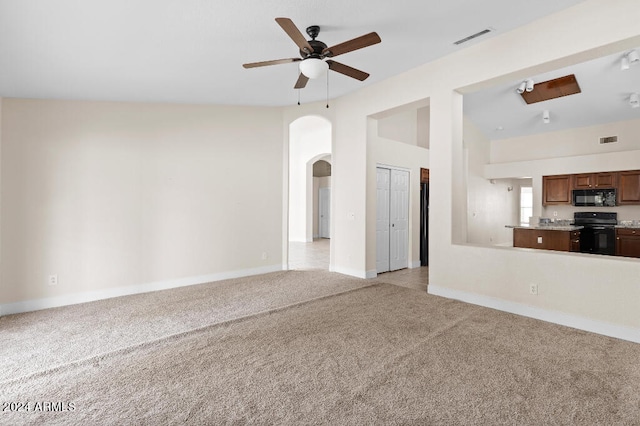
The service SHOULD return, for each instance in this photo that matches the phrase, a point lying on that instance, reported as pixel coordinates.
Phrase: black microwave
(594, 197)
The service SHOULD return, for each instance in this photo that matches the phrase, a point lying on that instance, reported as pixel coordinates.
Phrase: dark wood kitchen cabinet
(556, 190)
(546, 239)
(628, 242)
(575, 241)
(629, 187)
(594, 180)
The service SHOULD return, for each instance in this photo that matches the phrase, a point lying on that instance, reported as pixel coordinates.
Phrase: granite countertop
(628, 226)
(548, 227)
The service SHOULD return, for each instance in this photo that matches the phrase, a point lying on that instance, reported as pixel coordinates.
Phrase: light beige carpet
(379, 354)
(42, 340)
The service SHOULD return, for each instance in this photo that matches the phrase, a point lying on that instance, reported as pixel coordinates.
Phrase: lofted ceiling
(500, 113)
(192, 51)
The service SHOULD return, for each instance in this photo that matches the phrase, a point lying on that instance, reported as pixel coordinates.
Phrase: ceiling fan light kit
(313, 67)
(314, 53)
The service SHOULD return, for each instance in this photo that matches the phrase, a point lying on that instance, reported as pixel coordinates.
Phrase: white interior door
(399, 219)
(324, 204)
(383, 179)
(392, 219)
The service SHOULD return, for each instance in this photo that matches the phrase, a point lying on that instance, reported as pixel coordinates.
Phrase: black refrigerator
(424, 224)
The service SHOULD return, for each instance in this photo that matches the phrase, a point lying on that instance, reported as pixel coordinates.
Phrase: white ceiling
(604, 99)
(191, 51)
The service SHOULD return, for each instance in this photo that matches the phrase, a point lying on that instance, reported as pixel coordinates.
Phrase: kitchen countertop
(548, 227)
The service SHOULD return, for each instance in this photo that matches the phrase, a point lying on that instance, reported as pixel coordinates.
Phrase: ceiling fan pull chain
(327, 90)
(298, 89)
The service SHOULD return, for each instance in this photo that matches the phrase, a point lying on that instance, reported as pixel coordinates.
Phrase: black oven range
(599, 233)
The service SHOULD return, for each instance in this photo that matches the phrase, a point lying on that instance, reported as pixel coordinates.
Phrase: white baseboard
(415, 264)
(371, 274)
(600, 327)
(91, 296)
(352, 272)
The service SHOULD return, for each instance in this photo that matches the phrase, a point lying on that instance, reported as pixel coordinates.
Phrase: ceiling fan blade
(351, 45)
(274, 62)
(302, 81)
(347, 70)
(292, 31)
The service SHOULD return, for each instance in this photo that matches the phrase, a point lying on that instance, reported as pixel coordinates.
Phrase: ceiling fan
(313, 53)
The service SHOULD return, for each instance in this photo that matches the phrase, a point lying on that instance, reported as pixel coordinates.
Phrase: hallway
(315, 256)
(308, 256)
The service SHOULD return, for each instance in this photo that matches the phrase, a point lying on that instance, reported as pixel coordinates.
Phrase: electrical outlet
(53, 280)
(264, 255)
(533, 289)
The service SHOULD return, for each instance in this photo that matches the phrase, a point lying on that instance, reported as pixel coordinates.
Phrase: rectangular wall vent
(609, 139)
(471, 37)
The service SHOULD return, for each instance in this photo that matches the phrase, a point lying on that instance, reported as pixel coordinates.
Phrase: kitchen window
(526, 204)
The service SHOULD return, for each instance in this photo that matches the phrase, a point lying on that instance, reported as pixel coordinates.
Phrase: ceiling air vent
(609, 139)
(471, 37)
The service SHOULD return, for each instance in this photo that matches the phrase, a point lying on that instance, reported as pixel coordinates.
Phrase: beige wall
(581, 290)
(491, 203)
(394, 153)
(568, 151)
(119, 194)
(568, 143)
(112, 195)
(401, 126)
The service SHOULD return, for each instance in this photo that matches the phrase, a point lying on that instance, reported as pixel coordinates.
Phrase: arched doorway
(309, 161)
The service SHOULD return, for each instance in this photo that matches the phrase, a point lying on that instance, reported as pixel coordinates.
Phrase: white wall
(113, 187)
(567, 143)
(1, 199)
(382, 151)
(491, 203)
(423, 127)
(401, 126)
(573, 288)
(289, 116)
(137, 196)
(318, 182)
(310, 140)
(567, 152)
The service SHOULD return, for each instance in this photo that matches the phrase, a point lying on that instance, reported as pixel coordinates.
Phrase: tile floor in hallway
(315, 255)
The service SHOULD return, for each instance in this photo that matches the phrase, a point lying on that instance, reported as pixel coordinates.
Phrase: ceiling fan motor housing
(317, 46)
